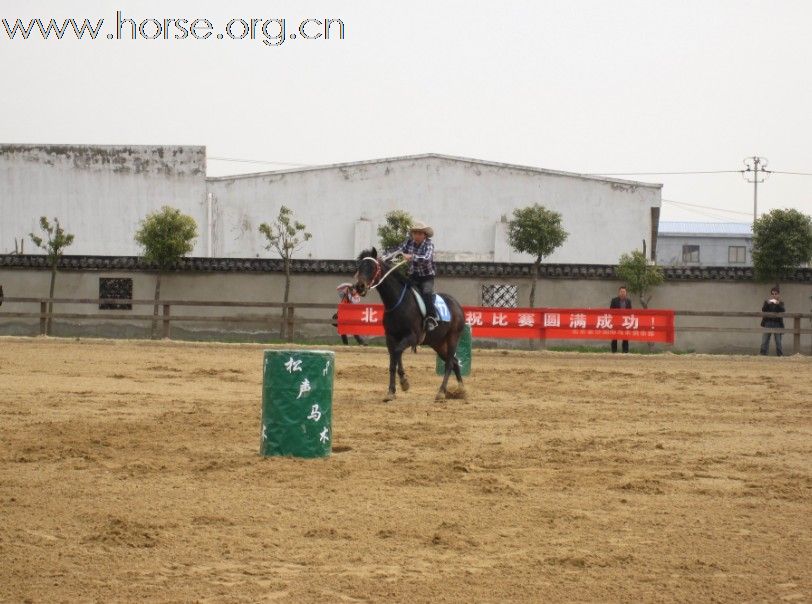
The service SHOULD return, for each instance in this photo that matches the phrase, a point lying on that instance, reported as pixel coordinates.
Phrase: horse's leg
(442, 352)
(396, 363)
(408, 341)
(456, 367)
(453, 363)
(391, 346)
(404, 381)
(461, 393)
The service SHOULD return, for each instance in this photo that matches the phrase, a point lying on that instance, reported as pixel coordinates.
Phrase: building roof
(705, 228)
(469, 160)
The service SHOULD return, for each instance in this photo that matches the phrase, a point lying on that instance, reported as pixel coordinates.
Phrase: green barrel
(297, 403)
(463, 354)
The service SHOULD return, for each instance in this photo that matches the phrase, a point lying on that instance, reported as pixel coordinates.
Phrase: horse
(403, 321)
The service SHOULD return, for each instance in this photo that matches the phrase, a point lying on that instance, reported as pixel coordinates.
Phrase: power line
(693, 172)
(706, 214)
(663, 173)
(259, 161)
(706, 211)
(694, 205)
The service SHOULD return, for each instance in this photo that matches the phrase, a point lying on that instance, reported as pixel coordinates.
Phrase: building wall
(467, 202)
(98, 193)
(713, 250)
(101, 193)
(708, 295)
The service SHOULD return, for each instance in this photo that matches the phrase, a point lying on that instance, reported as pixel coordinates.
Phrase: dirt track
(129, 471)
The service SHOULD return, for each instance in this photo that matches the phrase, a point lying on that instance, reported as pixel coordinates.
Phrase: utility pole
(755, 164)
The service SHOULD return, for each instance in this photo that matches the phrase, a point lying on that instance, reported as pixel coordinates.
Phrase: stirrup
(430, 323)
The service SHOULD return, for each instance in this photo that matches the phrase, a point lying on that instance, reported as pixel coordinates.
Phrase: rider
(418, 250)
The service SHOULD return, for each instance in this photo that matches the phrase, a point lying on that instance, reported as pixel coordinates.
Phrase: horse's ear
(374, 253)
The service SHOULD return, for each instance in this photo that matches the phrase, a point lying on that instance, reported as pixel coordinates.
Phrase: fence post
(166, 321)
(796, 336)
(290, 324)
(43, 321)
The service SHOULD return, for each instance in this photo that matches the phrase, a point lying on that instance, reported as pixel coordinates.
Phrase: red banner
(646, 325)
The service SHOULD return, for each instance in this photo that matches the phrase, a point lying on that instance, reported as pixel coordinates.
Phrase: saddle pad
(442, 309)
(439, 304)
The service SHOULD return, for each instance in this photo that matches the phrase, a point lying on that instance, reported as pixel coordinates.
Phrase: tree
(283, 237)
(536, 230)
(395, 230)
(54, 244)
(640, 276)
(782, 241)
(166, 236)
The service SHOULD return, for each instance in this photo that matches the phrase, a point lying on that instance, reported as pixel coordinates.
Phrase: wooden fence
(287, 318)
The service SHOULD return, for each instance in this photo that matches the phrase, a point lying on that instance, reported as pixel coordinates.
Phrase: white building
(100, 193)
(705, 244)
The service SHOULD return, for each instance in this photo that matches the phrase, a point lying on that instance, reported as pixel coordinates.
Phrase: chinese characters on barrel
(315, 415)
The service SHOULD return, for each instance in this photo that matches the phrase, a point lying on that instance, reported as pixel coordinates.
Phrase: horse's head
(368, 271)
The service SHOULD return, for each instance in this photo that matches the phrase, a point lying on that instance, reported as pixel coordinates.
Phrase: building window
(690, 254)
(116, 289)
(500, 295)
(736, 254)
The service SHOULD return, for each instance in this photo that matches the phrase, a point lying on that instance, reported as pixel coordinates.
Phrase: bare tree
(283, 238)
(54, 243)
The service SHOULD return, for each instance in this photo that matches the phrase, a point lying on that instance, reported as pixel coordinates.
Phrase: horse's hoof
(404, 384)
(390, 396)
(440, 397)
(459, 394)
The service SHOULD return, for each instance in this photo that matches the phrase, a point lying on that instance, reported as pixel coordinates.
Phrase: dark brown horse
(403, 322)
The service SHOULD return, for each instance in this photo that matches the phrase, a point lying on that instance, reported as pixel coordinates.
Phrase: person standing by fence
(620, 301)
(772, 304)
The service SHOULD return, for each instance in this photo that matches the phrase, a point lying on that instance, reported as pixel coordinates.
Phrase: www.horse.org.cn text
(270, 32)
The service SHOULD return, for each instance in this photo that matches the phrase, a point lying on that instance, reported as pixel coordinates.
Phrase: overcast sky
(584, 86)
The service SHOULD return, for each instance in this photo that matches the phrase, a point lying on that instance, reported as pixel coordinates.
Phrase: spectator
(772, 304)
(348, 295)
(621, 301)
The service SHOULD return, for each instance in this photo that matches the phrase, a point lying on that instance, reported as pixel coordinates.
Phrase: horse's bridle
(376, 281)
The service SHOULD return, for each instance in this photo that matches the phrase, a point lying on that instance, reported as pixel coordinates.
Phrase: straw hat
(422, 227)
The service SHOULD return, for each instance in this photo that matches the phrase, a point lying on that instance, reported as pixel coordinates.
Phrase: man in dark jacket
(621, 301)
(772, 304)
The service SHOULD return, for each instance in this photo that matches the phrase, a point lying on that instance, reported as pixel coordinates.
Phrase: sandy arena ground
(129, 472)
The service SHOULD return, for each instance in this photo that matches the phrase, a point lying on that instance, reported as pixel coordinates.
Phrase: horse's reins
(378, 271)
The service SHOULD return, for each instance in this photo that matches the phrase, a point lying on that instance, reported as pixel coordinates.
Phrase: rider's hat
(422, 227)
